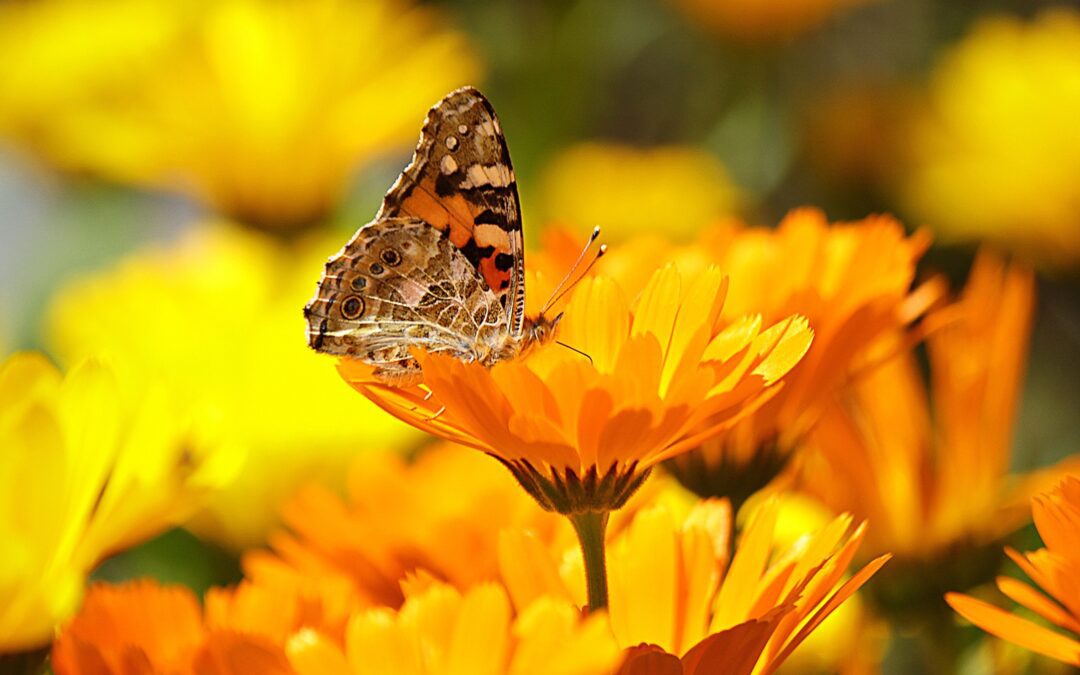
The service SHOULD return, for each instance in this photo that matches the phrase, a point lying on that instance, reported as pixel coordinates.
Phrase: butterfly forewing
(461, 182)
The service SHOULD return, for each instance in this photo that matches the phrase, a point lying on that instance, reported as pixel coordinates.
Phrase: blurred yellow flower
(261, 109)
(673, 589)
(997, 152)
(214, 317)
(762, 21)
(88, 468)
(635, 190)
(1055, 569)
(443, 630)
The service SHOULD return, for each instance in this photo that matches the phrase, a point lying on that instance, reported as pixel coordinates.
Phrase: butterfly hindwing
(400, 284)
(461, 182)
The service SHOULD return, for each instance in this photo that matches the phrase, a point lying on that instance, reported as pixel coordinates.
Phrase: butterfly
(442, 265)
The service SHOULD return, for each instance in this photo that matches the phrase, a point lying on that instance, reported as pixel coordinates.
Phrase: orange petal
(1014, 629)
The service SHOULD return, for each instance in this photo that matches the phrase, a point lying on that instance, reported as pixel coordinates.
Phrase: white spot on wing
(448, 165)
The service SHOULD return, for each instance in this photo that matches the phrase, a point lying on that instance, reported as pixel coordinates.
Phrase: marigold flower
(205, 317)
(1055, 569)
(931, 469)
(673, 589)
(972, 182)
(261, 109)
(763, 21)
(633, 189)
(86, 471)
(445, 631)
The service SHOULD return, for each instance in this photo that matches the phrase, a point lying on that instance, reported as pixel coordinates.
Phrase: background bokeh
(173, 172)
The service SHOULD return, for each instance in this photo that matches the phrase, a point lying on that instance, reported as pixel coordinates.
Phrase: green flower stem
(590, 527)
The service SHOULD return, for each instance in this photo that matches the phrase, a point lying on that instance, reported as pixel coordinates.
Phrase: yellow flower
(442, 630)
(88, 468)
(214, 317)
(1055, 569)
(631, 191)
(997, 153)
(758, 21)
(673, 589)
(261, 109)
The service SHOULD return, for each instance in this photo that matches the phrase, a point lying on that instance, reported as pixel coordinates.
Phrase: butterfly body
(441, 268)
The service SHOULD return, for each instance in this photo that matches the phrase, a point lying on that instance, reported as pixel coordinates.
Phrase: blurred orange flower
(928, 477)
(580, 434)
(146, 628)
(1055, 569)
(260, 109)
(138, 625)
(762, 21)
(930, 468)
(673, 589)
(439, 516)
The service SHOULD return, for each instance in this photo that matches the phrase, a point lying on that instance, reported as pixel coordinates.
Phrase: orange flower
(139, 624)
(673, 590)
(928, 477)
(1055, 569)
(580, 433)
(852, 281)
(399, 520)
(143, 627)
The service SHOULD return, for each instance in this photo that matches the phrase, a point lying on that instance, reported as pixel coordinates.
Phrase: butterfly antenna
(574, 349)
(563, 286)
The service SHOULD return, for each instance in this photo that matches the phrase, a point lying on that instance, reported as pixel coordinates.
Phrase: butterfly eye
(352, 307)
(391, 257)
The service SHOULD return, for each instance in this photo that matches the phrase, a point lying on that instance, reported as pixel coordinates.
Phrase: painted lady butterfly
(442, 265)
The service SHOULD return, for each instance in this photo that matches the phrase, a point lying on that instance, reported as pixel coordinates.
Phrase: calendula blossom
(248, 630)
(260, 109)
(207, 316)
(930, 466)
(1055, 569)
(852, 281)
(681, 606)
(581, 434)
(89, 467)
(972, 182)
(631, 189)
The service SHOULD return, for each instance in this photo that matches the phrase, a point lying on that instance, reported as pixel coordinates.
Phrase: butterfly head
(540, 330)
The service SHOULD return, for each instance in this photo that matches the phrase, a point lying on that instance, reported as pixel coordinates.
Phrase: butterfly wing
(399, 283)
(461, 182)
